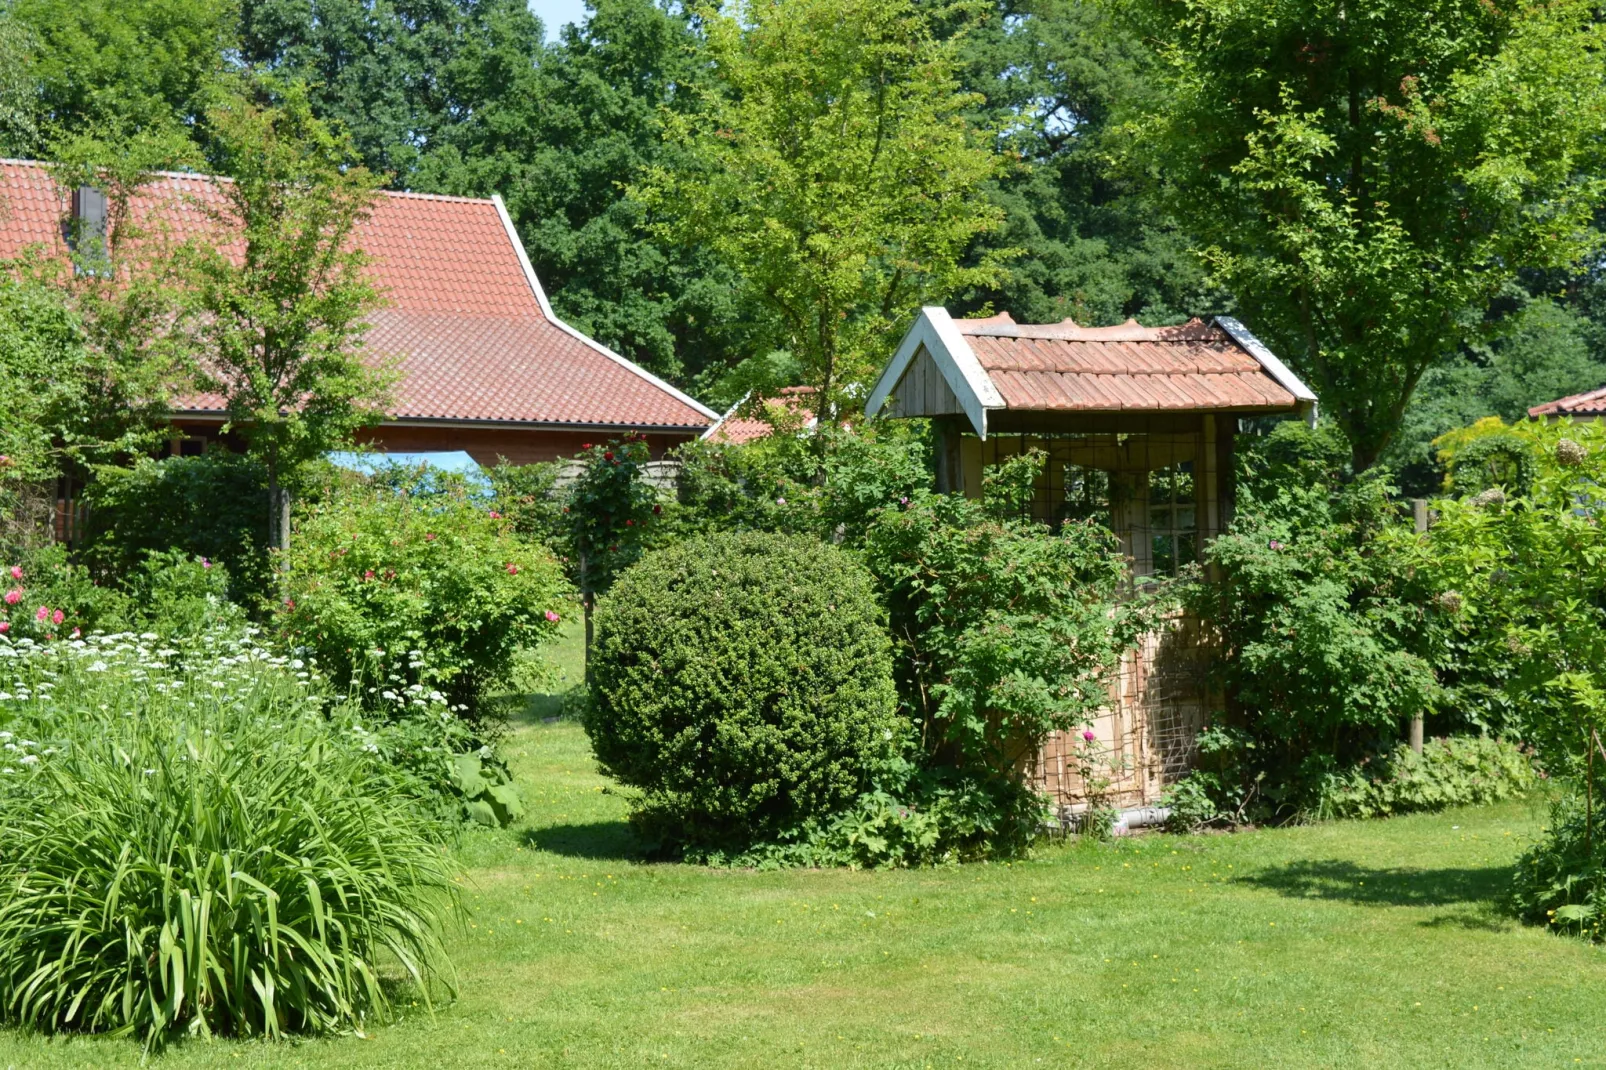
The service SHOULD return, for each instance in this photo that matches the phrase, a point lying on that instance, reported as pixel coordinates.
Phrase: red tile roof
(1067, 367)
(1590, 403)
(743, 424)
(466, 322)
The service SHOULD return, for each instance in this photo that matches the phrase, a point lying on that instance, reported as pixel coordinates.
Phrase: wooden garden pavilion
(1138, 424)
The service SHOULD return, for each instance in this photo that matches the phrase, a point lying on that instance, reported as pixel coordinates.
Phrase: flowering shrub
(1328, 638)
(191, 848)
(743, 684)
(45, 596)
(1005, 632)
(393, 592)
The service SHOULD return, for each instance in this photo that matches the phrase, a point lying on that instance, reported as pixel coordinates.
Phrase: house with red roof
(486, 367)
(1590, 405)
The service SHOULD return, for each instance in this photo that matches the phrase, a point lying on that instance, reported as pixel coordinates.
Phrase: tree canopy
(1366, 179)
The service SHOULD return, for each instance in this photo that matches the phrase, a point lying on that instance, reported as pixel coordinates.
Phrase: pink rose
(1087, 734)
(13, 596)
(57, 617)
(512, 569)
(16, 572)
(206, 562)
(76, 633)
(553, 617)
(368, 575)
(43, 614)
(5, 626)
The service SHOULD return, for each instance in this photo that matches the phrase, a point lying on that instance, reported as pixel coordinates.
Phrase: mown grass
(1350, 944)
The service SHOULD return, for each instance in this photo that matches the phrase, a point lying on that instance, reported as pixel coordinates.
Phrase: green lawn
(1354, 944)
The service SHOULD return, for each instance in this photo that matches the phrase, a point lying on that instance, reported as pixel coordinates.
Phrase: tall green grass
(187, 847)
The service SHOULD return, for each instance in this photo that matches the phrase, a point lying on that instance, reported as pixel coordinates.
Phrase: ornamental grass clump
(188, 848)
(743, 684)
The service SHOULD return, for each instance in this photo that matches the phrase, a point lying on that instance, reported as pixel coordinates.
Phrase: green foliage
(212, 506)
(1051, 75)
(1520, 572)
(830, 483)
(44, 383)
(281, 326)
(124, 65)
(1544, 351)
(400, 596)
(190, 850)
(1326, 636)
(19, 91)
(168, 593)
(1456, 771)
(1560, 881)
(742, 683)
(831, 167)
(1366, 183)
(1005, 631)
(458, 773)
(607, 511)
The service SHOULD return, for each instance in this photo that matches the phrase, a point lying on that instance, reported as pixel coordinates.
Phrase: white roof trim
(1268, 360)
(934, 330)
(713, 428)
(546, 309)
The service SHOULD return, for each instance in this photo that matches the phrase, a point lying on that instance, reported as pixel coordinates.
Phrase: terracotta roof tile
(742, 424)
(1126, 368)
(462, 321)
(1590, 403)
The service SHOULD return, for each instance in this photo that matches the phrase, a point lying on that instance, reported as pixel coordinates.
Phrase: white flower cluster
(127, 671)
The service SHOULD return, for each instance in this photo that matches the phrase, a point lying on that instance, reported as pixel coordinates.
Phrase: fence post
(1419, 514)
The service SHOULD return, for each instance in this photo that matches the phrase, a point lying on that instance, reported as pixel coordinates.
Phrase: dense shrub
(830, 484)
(213, 506)
(1458, 771)
(1328, 639)
(1006, 631)
(43, 595)
(742, 683)
(188, 848)
(1560, 881)
(392, 591)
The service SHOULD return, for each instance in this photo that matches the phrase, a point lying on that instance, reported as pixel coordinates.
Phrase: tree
(831, 167)
(1366, 179)
(1052, 74)
(19, 91)
(282, 314)
(123, 65)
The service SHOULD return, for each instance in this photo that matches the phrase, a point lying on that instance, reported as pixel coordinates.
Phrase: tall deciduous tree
(124, 65)
(284, 301)
(832, 167)
(1366, 177)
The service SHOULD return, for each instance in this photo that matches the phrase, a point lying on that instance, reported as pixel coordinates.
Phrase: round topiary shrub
(742, 682)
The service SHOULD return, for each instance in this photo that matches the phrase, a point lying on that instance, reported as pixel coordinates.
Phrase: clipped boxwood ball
(742, 682)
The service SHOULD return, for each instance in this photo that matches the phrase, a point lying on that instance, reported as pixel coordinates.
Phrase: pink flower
(43, 614)
(206, 562)
(5, 626)
(76, 633)
(368, 575)
(553, 617)
(495, 515)
(1087, 734)
(429, 537)
(57, 617)
(16, 572)
(512, 569)
(780, 501)
(13, 596)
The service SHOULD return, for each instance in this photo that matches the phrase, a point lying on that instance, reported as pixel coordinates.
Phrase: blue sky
(555, 13)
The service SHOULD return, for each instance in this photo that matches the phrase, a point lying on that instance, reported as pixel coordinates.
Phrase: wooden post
(1419, 514)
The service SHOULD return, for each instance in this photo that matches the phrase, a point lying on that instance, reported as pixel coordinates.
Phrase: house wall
(485, 444)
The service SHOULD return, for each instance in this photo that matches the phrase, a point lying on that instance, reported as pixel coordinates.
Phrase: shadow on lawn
(1365, 886)
(602, 840)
